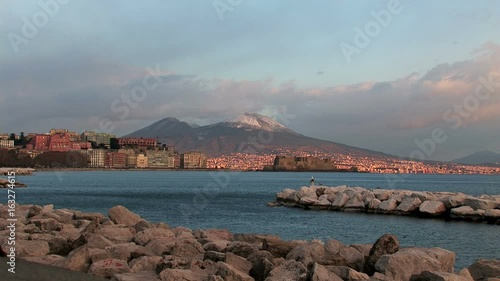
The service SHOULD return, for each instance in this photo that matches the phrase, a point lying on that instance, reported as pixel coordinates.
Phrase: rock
(387, 244)
(464, 272)
(77, 215)
(373, 203)
(78, 259)
(121, 215)
(286, 195)
(409, 261)
(492, 214)
(320, 273)
(377, 276)
(309, 199)
(279, 248)
(409, 204)
(217, 246)
(188, 248)
(437, 276)
(388, 206)
(145, 263)
(58, 245)
(308, 253)
(98, 254)
(433, 208)
(363, 248)
(145, 236)
(109, 267)
(253, 238)
(47, 224)
(355, 204)
(161, 246)
(340, 201)
(122, 251)
(382, 194)
(229, 273)
(32, 248)
(482, 269)
(173, 262)
(117, 234)
(65, 215)
(238, 262)
(262, 264)
(214, 256)
(347, 273)
(466, 212)
(136, 276)
(476, 203)
(243, 249)
(454, 201)
(98, 241)
(337, 253)
(290, 270)
(142, 225)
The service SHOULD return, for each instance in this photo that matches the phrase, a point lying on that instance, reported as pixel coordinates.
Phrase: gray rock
(388, 206)
(347, 273)
(229, 273)
(308, 253)
(409, 204)
(337, 253)
(476, 203)
(355, 203)
(340, 201)
(238, 262)
(321, 273)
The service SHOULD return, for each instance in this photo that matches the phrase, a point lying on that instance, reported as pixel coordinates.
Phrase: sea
(237, 201)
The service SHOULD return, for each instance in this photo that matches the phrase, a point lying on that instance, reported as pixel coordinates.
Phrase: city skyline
(411, 78)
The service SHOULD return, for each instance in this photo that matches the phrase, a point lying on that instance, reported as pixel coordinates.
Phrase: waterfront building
(98, 138)
(4, 136)
(115, 160)
(137, 142)
(142, 161)
(96, 158)
(193, 160)
(5, 143)
(160, 159)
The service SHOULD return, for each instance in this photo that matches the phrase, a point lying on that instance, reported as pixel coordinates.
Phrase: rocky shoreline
(122, 246)
(446, 205)
(4, 183)
(18, 171)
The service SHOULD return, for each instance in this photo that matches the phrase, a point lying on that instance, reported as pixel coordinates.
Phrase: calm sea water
(237, 201)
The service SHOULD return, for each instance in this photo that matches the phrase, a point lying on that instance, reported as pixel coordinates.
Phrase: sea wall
(18, 171)
(446, 205)
(124, 247)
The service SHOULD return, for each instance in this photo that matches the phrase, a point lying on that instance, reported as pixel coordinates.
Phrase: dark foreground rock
(124, 247)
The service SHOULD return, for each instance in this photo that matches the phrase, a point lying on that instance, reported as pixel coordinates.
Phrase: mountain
(248, 133)
(484, 157)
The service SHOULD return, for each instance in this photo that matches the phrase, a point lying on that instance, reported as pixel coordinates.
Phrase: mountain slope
(248, 133)
(479, 158)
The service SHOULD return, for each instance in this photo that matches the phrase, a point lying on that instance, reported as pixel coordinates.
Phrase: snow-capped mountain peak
(256, 121)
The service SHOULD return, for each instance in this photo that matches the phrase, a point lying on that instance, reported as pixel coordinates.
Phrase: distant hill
(484, 157)
(249, 132)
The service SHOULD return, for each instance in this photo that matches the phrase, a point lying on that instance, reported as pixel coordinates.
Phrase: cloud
(82, 89)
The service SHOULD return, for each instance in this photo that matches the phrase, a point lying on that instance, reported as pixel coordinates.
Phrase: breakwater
(446, 205)
(17, 171)
(124, 247)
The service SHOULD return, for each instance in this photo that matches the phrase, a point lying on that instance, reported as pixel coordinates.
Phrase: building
(131, 157)
(115, 160)
(40, 142)
(160, 159)
(98, 138)
(60, 143)
(4, 136)
(58, 131)
(96, 158)
(142, 161)
(6, 143)
(193, 160)
(298, 163)
(137, 142)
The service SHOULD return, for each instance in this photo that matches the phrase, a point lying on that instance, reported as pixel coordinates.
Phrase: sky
(392, 76)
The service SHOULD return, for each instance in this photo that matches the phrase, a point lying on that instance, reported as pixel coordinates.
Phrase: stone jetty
(124, 247)
(447, 205)
(18, 171)
(4, 183)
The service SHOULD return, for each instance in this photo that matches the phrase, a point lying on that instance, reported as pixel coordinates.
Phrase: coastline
(123, 246)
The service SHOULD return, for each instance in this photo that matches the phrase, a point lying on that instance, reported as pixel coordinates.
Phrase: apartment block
(115, 160)
(6, 143)
(142, 161)
(98, 138)
(160, 159)
(137, 142)
(193, 160)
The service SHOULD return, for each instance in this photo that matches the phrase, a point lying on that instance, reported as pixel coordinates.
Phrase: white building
(6, 143)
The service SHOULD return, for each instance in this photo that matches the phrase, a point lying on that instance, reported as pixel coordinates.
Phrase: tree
(114, 144)
(12, 136)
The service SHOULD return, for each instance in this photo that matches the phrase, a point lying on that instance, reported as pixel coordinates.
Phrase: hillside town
(61, 148)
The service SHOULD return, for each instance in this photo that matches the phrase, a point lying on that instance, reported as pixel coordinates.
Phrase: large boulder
(109, 267)
(229, 273)
(387, 244)
(409, 261)
(52, 260)
(356, 203)
(181, 275)
(262, 264)
(308, 253)
(477, 203)
(117, 234)
(408, 205)
(340, 201)
(347, 273)
(145, 263)
(238, 262)
(243, 249)
(289, 270)
(145, 236)
(432, 208)
(286, 195)
(121, 215)
(483, 269)
(321, 273)
(78, 259)
(279, 248)
(339, 254)
(32, 248)
(466, 212)
(388, 206)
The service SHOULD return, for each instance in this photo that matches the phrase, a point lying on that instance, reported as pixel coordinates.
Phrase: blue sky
(261, 54)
